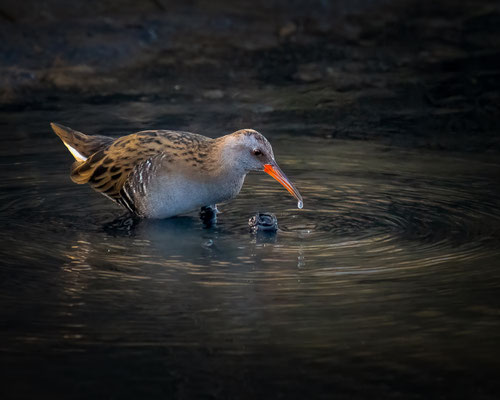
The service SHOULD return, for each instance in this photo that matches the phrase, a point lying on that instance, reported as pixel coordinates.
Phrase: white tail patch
(75, 153)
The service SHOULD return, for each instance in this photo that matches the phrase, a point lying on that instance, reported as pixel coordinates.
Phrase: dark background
(413, 84)
(410, 73)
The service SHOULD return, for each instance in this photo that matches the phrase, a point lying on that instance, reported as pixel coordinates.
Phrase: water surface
(385, 283)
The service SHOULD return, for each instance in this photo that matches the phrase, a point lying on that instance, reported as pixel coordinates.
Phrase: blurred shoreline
(410, 73)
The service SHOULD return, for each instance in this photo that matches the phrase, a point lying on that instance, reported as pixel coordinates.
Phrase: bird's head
(247, 150)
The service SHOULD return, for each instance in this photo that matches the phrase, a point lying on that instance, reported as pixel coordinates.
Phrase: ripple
(363, 212)
(370, 219)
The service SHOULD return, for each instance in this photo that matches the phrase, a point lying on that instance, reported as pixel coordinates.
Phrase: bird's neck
(225, 156)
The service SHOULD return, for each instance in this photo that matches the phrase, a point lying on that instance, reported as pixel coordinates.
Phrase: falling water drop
(300, 204)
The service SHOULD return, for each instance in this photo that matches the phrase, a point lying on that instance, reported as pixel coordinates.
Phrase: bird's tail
(81, 146)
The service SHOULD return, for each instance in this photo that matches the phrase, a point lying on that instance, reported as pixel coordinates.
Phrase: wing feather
(121, 170)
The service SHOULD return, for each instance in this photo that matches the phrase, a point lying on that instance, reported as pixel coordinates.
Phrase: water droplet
(300, 204)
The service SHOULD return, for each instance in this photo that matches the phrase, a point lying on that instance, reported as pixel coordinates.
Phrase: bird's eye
(257, 152)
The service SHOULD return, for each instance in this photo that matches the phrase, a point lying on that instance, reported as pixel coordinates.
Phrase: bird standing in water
(161, 173)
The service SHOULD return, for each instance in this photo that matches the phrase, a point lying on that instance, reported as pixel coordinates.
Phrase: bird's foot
(208, 215)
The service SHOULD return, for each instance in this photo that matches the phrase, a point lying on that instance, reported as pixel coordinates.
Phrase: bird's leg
(208, 215)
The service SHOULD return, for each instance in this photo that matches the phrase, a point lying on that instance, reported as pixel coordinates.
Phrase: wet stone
(263, 222)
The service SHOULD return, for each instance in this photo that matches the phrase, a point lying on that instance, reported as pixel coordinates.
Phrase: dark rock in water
(263, 222)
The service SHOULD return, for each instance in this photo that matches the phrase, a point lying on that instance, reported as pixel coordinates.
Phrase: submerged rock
(263, 222)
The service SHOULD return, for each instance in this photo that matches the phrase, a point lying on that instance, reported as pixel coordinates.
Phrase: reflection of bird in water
(160, 174)
(185, 238)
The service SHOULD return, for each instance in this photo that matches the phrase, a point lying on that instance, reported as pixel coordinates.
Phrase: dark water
(384, 286)
(384, 113)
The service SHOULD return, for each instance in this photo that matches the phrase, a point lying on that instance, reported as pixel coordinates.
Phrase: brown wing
(122, 170)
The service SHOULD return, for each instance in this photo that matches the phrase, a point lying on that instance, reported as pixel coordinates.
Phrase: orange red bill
(277, 173)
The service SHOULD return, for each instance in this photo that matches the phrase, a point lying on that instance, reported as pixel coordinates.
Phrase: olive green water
(384, 285)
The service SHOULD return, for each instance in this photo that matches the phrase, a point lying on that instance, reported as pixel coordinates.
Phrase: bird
(164, 173)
